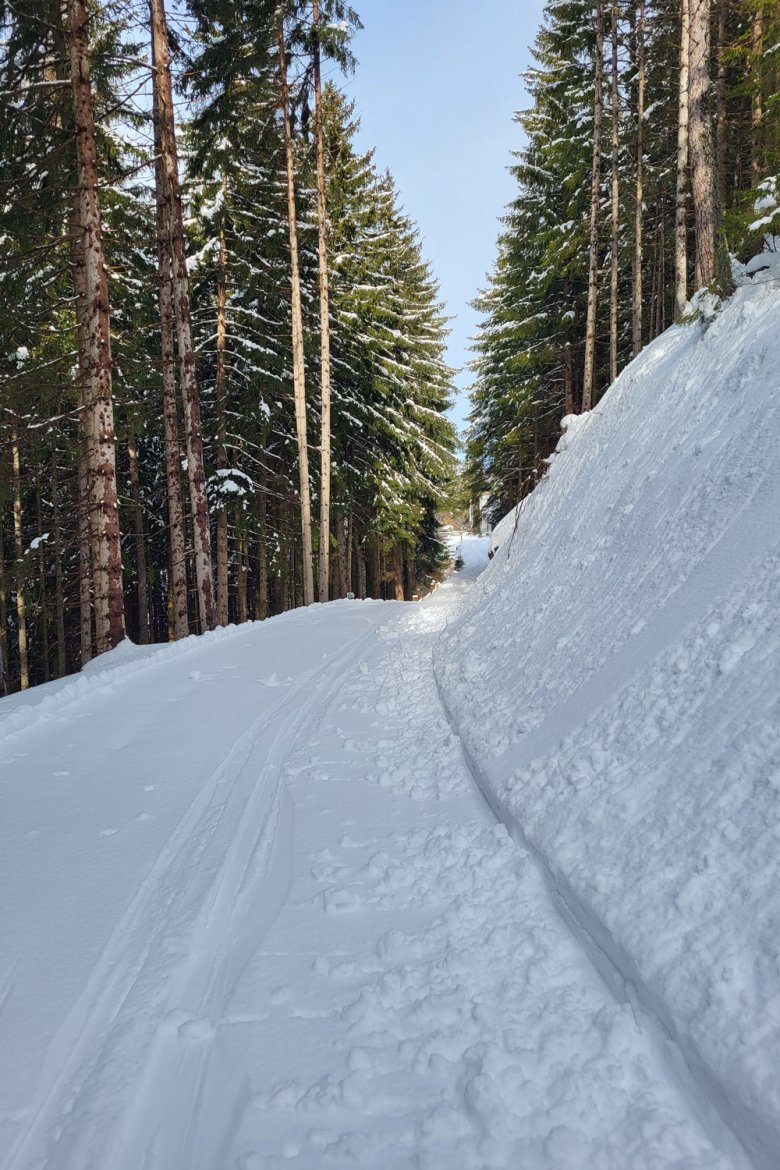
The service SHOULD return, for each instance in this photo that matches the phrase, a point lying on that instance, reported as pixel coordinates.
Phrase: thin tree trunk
(220, 389)
(683, 126)
(241, 576)
(261, 586)
(4, 679)
(58, 585)
(177, 585)
(138, 528)
(43, 616)
(342, 551)
(172, 217)
(636, 311)
(568, 379)
(398, 573)
(21, 603)
(107, 555)
(613, 283)
(721, 109)
(359, 569)
(595, 199)
(322, 224)
(711, 257)
(299, 376)
(757, 99)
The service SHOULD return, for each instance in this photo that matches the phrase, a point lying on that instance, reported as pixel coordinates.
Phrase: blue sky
(436, 88)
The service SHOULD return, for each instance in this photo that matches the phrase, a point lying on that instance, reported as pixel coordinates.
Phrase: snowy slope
(255, 913)
(616, 681)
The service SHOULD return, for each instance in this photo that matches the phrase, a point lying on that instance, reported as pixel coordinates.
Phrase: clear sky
(436, 88)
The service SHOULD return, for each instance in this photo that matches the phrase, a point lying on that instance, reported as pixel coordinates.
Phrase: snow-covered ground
(255, 910)
(615, 677)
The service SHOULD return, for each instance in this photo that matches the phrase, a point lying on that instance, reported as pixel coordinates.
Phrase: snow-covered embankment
(616, 681)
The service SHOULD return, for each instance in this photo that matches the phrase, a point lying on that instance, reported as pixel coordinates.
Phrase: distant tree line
(652, 152)
(222, 383)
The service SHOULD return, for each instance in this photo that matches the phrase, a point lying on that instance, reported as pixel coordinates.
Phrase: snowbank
(615, 678)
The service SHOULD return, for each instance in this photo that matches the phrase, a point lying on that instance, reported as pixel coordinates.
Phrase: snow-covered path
(254, 912)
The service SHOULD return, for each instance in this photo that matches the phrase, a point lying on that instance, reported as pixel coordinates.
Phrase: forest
(650, 167)
(223, 381)
(224, 386)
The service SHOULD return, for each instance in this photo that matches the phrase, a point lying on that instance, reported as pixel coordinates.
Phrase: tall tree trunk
(359, 582)
(712, 263)
(170, 196)
(683, 140)
(322, 225)
(4, 678)
(43, 609)
(177, 548)
(615, 215)
(59, 593)
(342, 551)
(85, 559)
(595, 200)
(398, 573)
(241, 573)
(107, 554)
(220, 394)
(568, 379)
(757, 97)
(636, 308)
(138, 530)
(299, 375)
(261, 586)
(721, 108)
(21, 602)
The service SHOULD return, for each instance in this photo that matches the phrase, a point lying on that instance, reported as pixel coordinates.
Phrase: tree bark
(177, 584)
(595, 199)
(241, 575)
(85, 560)
(170, 197)
(138, 531)
(721, 109)
(322, 241)
(615, 215)
(21, 602)
(757, 98)
(261, 586)
(220, 393)
(107, 555)
(342, 550)
(636, 308)
(299, 375)
(59, 594)
(683, 128)
(398, 573)
(712, 264)
(4, 678)
(43, 609)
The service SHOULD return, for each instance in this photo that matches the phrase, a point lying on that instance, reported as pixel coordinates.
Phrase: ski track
(443, 1038)
(196, 905)
(445, 1001)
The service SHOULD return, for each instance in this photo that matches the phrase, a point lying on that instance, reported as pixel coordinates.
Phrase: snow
(615, 681)
(256, 910)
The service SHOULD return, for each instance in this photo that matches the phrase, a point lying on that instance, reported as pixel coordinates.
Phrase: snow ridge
(614, 680)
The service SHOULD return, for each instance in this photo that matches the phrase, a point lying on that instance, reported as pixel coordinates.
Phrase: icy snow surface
(255, 913)
(615, 680)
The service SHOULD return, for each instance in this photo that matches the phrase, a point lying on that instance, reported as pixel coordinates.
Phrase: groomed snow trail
(255, 913)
